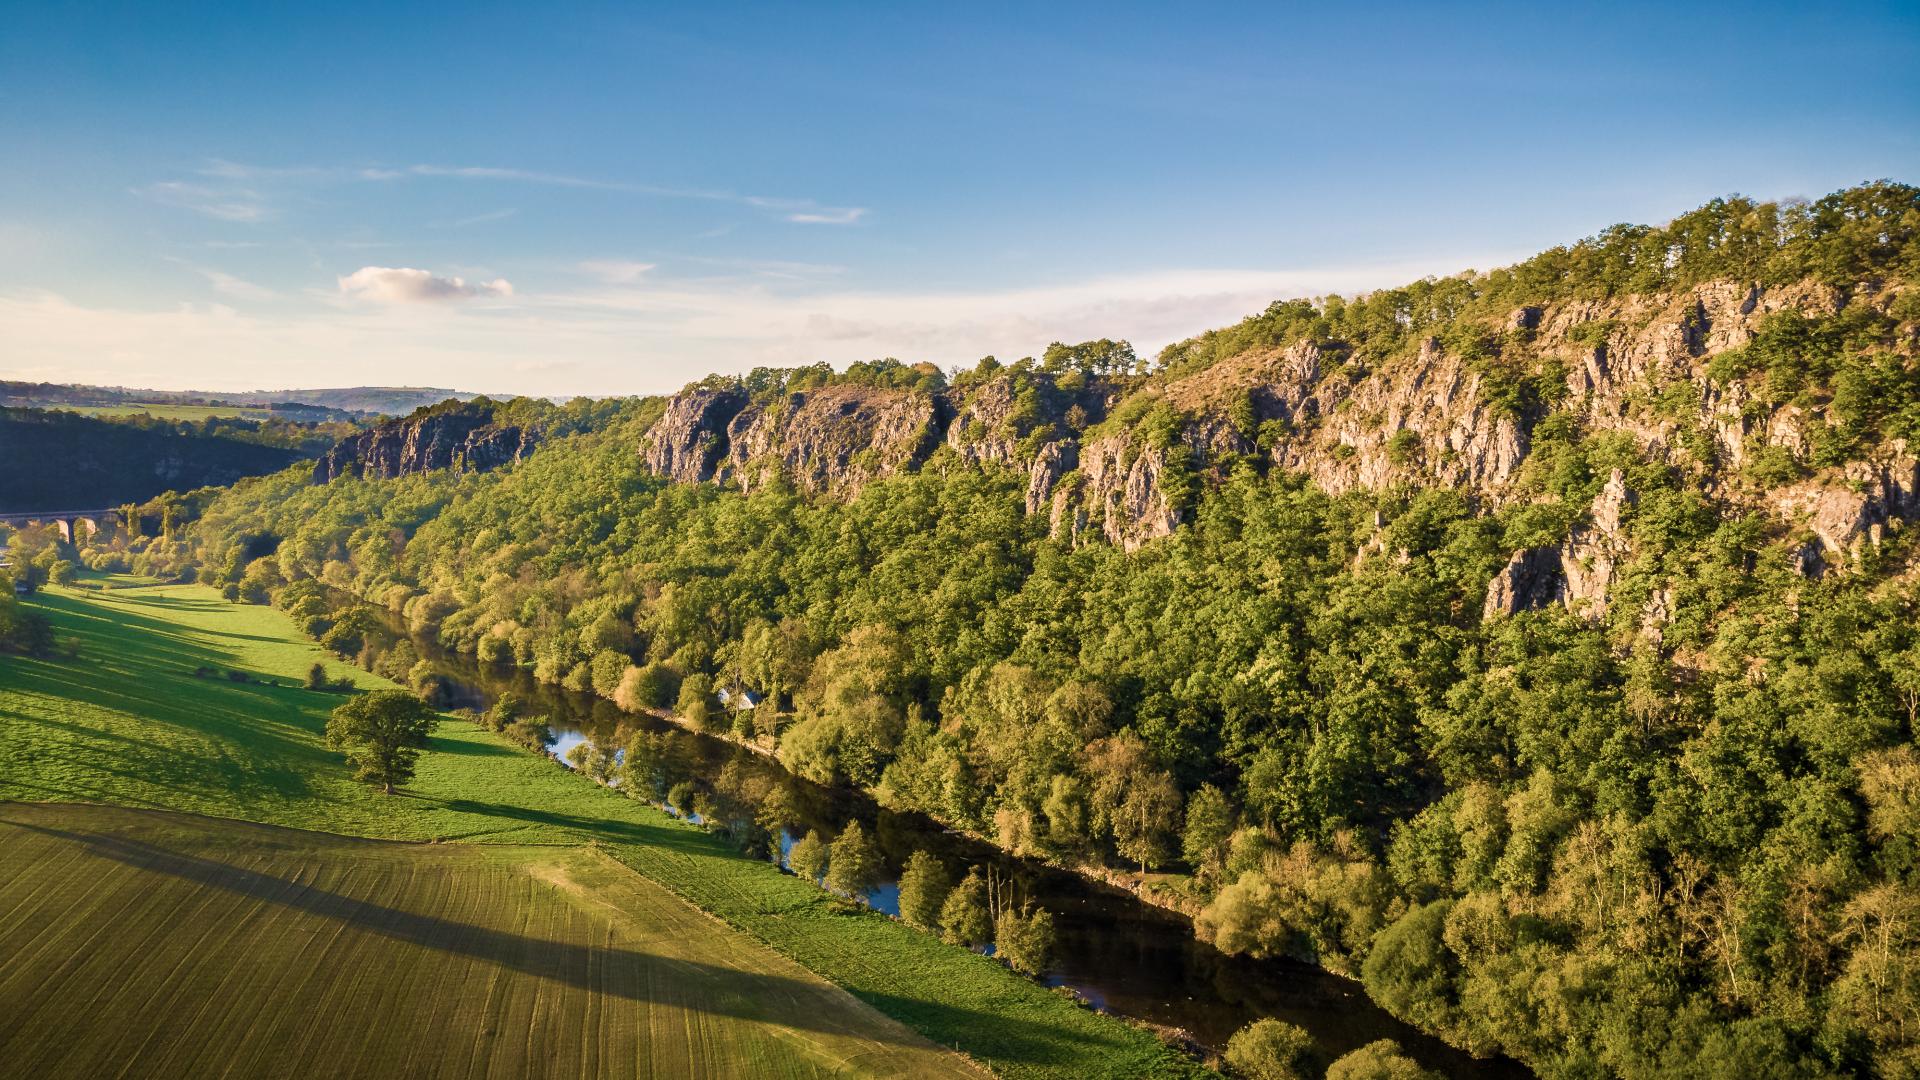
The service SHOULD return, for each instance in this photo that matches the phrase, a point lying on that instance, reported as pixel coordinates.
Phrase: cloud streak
(240, 205)
(798, 211)
(406, 285)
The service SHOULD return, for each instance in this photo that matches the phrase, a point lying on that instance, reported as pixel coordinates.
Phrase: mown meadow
(150, 714)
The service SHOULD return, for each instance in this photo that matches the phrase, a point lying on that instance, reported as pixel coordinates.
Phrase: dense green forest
(1601, 842)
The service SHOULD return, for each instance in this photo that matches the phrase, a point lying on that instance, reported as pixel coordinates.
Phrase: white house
(738, 698)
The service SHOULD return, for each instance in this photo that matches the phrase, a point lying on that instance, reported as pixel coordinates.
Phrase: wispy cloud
(226, 284)
(231, 190)
(477, 219)
(616, 271)
(222, 203)
(405, 285)
(799, 211)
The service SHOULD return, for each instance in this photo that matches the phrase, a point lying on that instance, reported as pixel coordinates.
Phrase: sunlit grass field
(130, 723)
(154, 944)
(168, 412)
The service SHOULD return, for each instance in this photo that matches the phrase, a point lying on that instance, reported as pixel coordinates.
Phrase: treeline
(1682, 846)
(1862, 234)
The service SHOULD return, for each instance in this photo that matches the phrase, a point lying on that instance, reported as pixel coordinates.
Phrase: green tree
(964, 918)
(1272, 1050)
(923, 888)
(61, 572)
(855, 864)
(1024, 939)
(1209, 826)
(696, 702)
(382, 733)
(808, 859)
(317, 677)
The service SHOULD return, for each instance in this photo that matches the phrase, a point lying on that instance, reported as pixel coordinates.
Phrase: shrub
(1380, 1060)
(1272, 1050)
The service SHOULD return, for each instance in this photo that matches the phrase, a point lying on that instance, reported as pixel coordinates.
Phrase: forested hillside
(64, 461)
(1538, 646)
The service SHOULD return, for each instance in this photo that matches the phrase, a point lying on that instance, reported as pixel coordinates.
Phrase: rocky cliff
(464, 437)
(1459, 413)
(835, 439)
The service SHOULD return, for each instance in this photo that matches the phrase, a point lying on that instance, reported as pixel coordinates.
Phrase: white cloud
(645, 336)
(405, 285)
(846, 216)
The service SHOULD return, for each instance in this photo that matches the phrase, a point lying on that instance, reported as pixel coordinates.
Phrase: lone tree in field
(855, 865)
(923, 887)
(382, 734)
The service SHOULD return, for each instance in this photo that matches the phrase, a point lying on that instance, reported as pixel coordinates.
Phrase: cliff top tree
(382, 734)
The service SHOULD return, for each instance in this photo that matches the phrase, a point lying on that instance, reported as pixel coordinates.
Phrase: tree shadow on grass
(626, 973)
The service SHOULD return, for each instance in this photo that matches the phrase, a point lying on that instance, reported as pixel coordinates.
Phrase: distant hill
(388, 400)
(58, 461)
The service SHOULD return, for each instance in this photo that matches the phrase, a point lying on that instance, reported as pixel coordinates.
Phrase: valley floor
(148, 717)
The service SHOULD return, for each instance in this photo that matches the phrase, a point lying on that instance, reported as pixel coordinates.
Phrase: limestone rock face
(1126, 491)
(1429, 415)
(1875, 495)
(991, 419)
(1530, 580)
(836, 439)
(1054, 461)
(1594, 550)
(462, 437)
(689, 439)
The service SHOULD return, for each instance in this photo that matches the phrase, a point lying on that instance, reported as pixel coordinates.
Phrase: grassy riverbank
(130, 723)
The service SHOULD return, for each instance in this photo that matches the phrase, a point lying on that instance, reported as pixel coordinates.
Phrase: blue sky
(618, 199)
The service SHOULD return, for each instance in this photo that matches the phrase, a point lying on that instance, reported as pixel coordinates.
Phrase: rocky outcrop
(1594, 551)
(1054, 461)
(837, 439)
(833, 440)
(1530, 580)
(1874, 496)
(1126, 491)
(1460, 415)
(462, 437)
(689, 439)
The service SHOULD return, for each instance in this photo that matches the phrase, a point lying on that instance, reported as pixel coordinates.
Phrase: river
(1122, 954)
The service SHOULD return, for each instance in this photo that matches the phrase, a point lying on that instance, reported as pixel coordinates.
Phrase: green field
(273, 949)
(129, 723)
(168, 412)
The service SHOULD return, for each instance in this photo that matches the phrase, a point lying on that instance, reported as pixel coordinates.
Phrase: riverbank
(1133, 954)
(131, 723)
